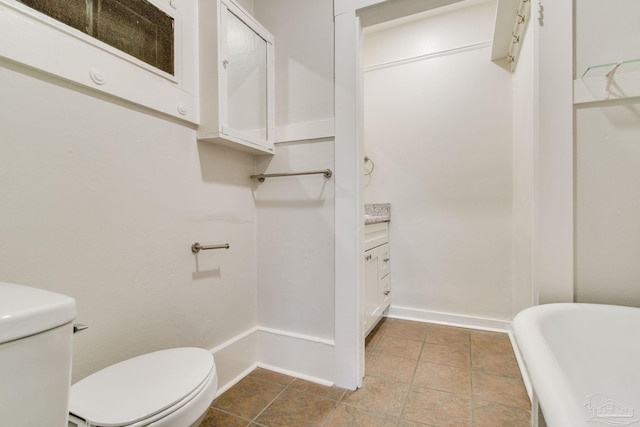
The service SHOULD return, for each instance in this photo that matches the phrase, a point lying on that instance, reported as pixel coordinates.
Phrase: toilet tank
(35, 356)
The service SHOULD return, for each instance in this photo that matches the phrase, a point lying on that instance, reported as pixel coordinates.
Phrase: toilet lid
(138, 388)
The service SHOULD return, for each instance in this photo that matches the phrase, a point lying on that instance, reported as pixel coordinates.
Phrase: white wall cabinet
(377, 279)
(236, 78)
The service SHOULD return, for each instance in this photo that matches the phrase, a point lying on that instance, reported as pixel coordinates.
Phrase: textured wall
(101, 201)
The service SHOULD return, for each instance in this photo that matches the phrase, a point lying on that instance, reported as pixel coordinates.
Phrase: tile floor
(417, 374)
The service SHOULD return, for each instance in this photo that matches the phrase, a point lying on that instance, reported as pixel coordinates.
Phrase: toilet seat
(144, 389)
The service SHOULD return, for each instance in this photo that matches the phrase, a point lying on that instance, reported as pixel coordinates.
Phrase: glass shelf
(606, 82)
(601, 70)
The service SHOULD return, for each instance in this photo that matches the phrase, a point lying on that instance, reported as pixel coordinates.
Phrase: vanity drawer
(384, 260)
(375, 235)
(385, 288)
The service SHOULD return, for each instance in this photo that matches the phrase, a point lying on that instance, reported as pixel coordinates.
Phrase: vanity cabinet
(377, 278)
(236, 78)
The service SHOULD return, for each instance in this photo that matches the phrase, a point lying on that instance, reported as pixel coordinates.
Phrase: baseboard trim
(301, 356)
(295, 374)
(235, 358)
(298, 355)
(449, 319)
(234, 340)
(312, 358)
(297, 336)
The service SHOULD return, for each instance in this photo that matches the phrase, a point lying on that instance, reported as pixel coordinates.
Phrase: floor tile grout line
(413, 377)
(255, 419)
(471, 393)
(287, 387)
(469, 397)
(383, 413)
(224, 411)
(371, 411)
(475, 398)
(330, 416)
(412, 382)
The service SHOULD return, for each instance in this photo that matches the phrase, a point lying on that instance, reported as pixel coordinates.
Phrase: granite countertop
(377, 212)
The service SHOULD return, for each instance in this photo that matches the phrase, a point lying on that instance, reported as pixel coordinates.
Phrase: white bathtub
(584, 362)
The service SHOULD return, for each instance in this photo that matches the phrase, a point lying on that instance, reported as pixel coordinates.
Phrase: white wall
(101, 201)
(553, 248)
(439, 132)
(296, 230)
(523, 173)
(296, 260)
(608, 203)
(303, 33)
(607, 162)
(295, 240)
(605, 32)
(429, 32)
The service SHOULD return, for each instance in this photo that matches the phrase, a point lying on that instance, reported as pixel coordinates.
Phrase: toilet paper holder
(197, 247)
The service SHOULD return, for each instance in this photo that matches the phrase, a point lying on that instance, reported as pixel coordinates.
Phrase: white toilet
(166, 388)
(35, 356)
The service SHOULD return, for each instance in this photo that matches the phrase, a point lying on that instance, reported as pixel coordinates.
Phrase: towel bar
(327, 174)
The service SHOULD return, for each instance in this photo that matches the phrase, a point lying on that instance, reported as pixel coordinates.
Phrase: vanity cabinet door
(377, 285)
(371, 298)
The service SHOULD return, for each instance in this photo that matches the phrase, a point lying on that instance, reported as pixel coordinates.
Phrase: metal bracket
(77, 327)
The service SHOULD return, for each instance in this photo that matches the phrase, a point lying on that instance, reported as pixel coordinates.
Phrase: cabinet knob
(387, 293)
(386, 259)
(225, 63)
(367, 258)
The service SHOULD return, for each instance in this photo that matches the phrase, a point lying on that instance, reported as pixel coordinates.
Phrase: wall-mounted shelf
(512, 18)
(605, 82)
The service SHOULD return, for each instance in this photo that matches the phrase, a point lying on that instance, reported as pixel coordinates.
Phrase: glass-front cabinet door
(245, 66)
(237, 76)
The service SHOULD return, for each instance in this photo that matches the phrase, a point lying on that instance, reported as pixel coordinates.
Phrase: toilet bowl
(166, 388)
